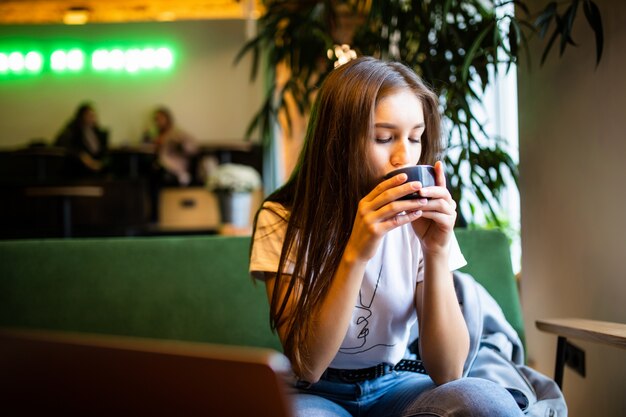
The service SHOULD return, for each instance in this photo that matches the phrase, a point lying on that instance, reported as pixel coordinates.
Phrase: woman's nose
(400, 154)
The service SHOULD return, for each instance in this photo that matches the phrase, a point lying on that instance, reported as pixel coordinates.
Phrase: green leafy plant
(457, 46)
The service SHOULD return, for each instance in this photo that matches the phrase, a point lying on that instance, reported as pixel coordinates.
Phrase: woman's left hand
(436, 224)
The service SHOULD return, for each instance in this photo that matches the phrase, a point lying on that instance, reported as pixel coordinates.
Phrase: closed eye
(383, 140)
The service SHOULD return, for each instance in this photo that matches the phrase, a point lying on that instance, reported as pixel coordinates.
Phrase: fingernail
(416, 185)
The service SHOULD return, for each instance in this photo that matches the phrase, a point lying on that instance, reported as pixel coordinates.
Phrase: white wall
(209, 96)
(573, 183)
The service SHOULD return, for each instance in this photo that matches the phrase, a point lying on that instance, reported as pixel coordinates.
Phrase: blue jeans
(405, 394)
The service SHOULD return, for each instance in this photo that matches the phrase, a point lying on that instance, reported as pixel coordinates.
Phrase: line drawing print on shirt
(363, 311)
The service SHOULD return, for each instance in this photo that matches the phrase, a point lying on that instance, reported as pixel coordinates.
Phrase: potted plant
(455, 45)
(233, 185)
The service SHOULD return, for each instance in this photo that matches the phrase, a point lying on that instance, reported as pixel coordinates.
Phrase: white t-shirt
(385, 310)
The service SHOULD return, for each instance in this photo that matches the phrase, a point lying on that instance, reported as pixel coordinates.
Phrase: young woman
(349, 268)
(83, 137)
(175, 148)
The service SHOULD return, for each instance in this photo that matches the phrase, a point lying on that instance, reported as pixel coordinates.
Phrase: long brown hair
(331, 177)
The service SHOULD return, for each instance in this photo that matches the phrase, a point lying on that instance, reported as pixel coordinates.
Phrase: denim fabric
(405, 394)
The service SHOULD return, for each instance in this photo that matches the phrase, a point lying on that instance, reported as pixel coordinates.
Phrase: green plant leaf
(592, 13)
(545, 18)
(513, 37)
(567, 22)
(452, 44)
(473, 51)
(550, 43)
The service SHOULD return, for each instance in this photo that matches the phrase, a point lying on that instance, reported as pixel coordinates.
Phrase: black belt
(364, 374)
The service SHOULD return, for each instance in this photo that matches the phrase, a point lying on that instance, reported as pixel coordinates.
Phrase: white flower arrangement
(233, 178)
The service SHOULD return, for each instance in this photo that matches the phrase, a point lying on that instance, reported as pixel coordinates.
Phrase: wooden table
(133, 156)
(66, 193)
(608, 333)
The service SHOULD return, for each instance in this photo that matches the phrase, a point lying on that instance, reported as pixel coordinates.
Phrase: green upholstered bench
(185, 288)
(488, 258)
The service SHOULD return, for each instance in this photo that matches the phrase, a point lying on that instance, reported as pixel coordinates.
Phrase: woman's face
(89, 117)
(398, 128)
(161, 121)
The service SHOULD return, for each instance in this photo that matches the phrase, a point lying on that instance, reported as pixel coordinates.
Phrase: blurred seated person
(83, 137)
(175, 148)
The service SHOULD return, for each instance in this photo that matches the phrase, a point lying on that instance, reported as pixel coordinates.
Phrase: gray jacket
(497, 354)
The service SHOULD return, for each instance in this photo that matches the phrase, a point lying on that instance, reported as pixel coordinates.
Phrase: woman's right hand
(379, 212)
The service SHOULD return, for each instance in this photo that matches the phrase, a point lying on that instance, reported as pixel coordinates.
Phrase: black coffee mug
(422, 173)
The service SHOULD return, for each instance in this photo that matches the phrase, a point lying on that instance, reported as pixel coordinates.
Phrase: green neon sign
(132, 60)
(75, 60)
(16, 62)
(72, 60)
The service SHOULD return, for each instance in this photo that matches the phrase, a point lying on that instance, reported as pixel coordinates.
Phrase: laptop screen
(83, 374)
